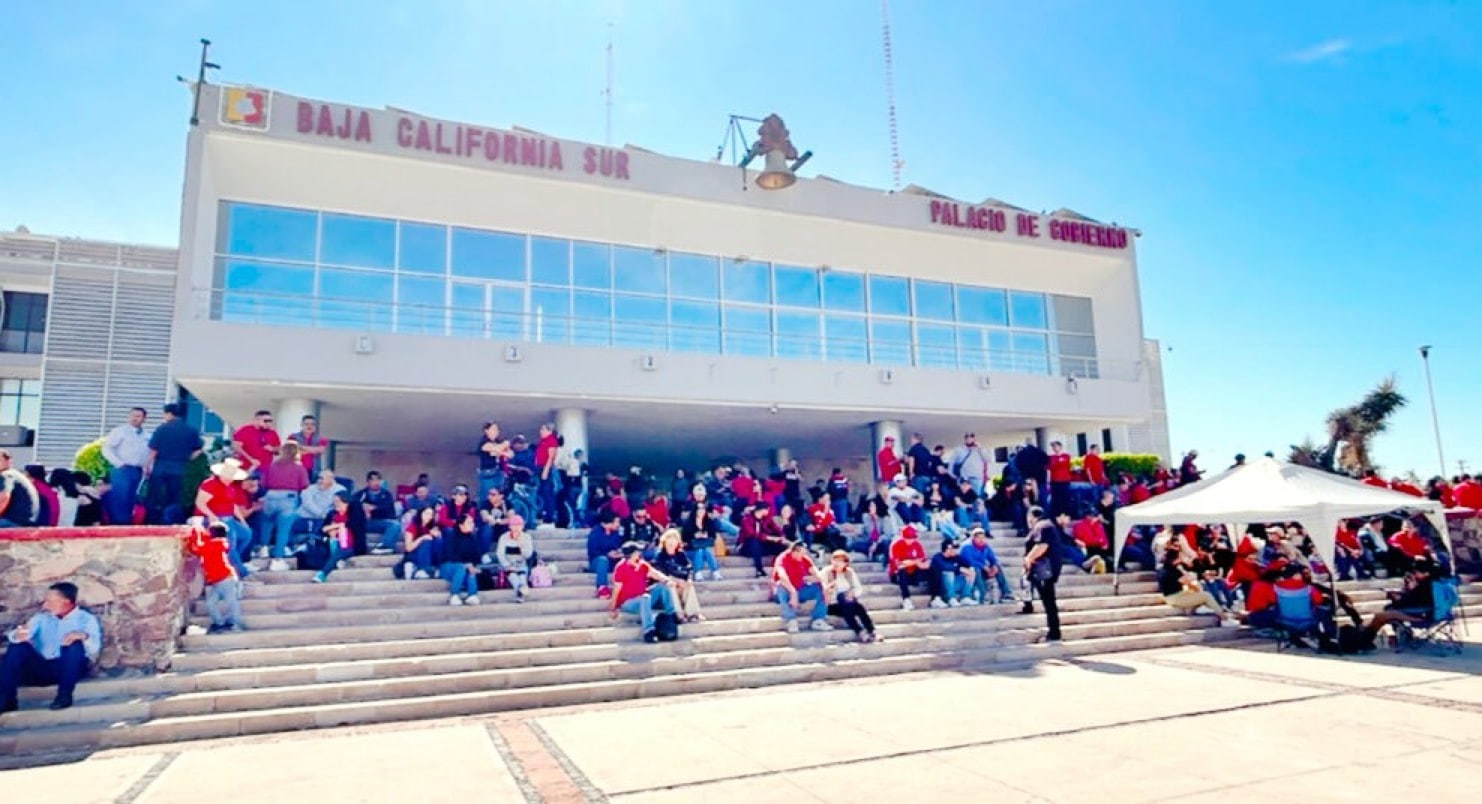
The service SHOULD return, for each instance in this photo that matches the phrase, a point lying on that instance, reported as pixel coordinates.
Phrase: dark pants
(546, 496)
(1046, 592)
(1060, 499)
(756, 549)
(24, 667)
(854, 614)
(164, 491)
(125, 492)
(904, 578)
(1396, 563)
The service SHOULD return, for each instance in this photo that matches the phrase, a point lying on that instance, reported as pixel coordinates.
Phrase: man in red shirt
(311, 445)
(631, 593)
(797, 580)
(1095, 467)
(1059, 480)
(545, 464)
(1409, 541)
(1468, 493)
(223, 589)
(220, 499)
(888, 461)
(1348, 553)
(908, 564)
(1089, 531)
(821, 528)
(256, 442)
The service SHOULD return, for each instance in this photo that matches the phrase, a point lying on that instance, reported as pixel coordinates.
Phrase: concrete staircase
(366, 648)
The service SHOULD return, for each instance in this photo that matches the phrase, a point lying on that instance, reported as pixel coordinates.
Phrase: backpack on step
(666, 627)
(540, 577)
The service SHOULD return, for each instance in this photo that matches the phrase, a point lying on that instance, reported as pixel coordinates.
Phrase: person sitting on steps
(908, 564)
(798, 580)
(421, 545)
(516, 554)
(951, 578)
(632, 592)
(674, 563)
(55, 646)
(841, 584)
(604, 543)
(336, 530)
(761, 536)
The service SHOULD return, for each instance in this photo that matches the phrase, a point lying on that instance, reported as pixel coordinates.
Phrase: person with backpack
(674, 562)
(515, 554)
(638, 588)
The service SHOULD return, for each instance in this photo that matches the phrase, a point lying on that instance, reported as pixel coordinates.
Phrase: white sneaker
(906, 604)
(341, 564)
(262, 552)
(955, 603)
(821, 625)
(969, 601)
(420, 575)
(195, 630)
(277, 565)
(716, 576)
(792, 626)
(381, 551)
(938, 603)
(408, 571)
(486, 559)
(454, 600)
(473, 600)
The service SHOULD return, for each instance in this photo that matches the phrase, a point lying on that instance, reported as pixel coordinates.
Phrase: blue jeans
(335, 554)
(643, 605)
(239, 541)
(602, 568)
(1071, 554)
(980, 585)
(812, 592)
(953, 585)
(278, 515)
(490, 479)
(224, 602)
(390, 531)
(125, 482)
(841, 510)
(461, 582)
(702, 557)
(1138, 553)
(727, 527)
(423, 557)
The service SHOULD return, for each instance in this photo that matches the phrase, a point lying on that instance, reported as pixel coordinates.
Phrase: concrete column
(780, 457)
(571, 424)
(878, 432)
(292, 411)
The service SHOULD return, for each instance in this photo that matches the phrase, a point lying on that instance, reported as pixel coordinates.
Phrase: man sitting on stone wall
(53, 647)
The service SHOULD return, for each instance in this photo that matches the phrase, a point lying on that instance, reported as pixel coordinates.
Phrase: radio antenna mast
(607, 92)
(895, 148)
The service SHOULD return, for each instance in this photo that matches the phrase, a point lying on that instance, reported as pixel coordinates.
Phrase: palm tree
(1351, 432)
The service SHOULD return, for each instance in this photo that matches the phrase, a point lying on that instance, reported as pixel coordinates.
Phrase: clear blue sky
(1308, 176)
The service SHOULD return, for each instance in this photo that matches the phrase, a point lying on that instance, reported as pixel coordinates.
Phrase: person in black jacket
(673, 562)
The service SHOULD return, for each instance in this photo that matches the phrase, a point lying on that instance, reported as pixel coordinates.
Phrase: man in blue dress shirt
(54, 647)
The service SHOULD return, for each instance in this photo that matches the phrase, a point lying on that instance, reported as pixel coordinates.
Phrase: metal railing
(272, 309)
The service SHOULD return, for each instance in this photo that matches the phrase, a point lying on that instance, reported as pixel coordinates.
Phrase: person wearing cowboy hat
(220, 499)
(841, 584)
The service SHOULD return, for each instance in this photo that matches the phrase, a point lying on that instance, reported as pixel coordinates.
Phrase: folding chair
(1440, 630)
(1295, 616)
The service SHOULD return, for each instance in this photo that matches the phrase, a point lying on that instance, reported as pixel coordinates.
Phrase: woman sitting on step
(422, 546)
(675, 563)
(842, 587)
(516, 554)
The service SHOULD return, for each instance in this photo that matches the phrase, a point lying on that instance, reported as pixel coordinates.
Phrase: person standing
(494, 454)
(1095, 468)
(256, 442)
(172, 446)
(223, 588)
(1031, 463)
(1042, 568)
(546, 447)
(127, 449)
(283, 480)
(312, 445)
(887, 461)
(969, 463)
(838, 495)
(53, 647)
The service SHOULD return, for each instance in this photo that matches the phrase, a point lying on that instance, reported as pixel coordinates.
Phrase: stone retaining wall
(138, 582)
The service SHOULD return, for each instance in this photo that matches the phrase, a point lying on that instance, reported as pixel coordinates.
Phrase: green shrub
(1134, 464)
(90, 459)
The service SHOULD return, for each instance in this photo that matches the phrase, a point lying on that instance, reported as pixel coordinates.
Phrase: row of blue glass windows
(306, 236)
(641, 322)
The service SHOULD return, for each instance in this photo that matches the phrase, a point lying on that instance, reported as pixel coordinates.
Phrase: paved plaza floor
(1183, 724)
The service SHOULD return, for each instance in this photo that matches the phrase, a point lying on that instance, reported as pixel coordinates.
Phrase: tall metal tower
(895, 148)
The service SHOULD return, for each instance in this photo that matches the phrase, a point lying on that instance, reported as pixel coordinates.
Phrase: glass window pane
(488, 255)
(1073, 314)
(889, 296)
(29, 412)
(843, 291)
(507, 320)
(420, 303)
(748, 282)
(1027, 310)
(353, 240)
(424, 248)
(694, 327)
(550, 311)
(796, 287)
(972, 351)
(354, 299)
(639, 270)
(591, 323)
(266, 293)
(982, 306)
(273, 232)
(798, 337)
(845, 339)
(694, 276)
(936, 346)
(639, 322)
(550, 261)
(591, 266)
(890, 342)
(10, 387)
(934, 300)
(467, 318)
(748, 331)
(1077, 355)
(1000, 351)
(1031, 353)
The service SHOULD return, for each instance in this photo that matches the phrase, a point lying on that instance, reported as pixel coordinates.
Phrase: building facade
(407, 278)
(87, 322)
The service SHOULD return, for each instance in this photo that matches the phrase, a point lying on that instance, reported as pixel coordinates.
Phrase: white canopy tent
(1268, 490)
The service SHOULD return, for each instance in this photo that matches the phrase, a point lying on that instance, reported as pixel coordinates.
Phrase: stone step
(39, 740)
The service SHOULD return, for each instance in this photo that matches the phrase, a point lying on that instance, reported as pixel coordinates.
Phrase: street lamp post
(1430, 390)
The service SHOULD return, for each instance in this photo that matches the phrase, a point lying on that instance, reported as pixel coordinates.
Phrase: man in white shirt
(127, 448)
